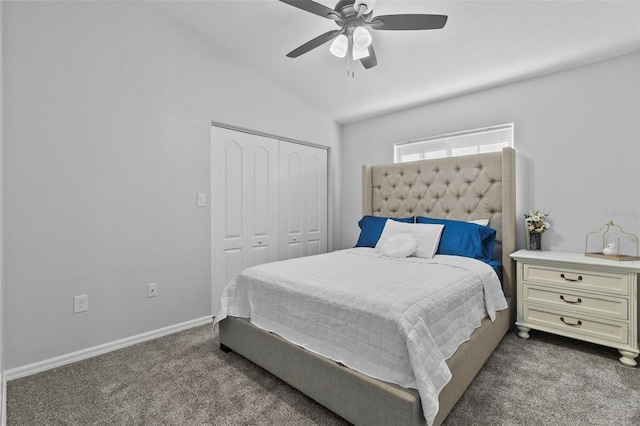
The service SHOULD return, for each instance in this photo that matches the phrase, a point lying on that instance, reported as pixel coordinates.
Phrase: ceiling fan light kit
(353, 37)
(340, 46)
(359, 53)
(361, 38)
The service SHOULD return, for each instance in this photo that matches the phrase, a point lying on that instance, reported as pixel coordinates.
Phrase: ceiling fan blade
(370, 61)
(312, 7)
(408, 22)
(312, 44)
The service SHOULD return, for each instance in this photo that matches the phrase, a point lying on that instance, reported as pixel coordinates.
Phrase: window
(489, 139)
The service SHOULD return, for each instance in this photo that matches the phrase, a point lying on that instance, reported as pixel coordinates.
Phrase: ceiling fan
(354, 17)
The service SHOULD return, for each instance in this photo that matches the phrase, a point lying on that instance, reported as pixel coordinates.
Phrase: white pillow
(399, 245)
(426, 234)
(483, 222)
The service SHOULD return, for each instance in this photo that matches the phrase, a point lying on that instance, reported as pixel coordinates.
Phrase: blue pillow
(371, 228)
(463, 238)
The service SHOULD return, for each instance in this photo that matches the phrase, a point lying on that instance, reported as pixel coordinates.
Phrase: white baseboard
(58, 361)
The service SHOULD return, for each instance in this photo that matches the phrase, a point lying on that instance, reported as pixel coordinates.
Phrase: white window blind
(489, 139)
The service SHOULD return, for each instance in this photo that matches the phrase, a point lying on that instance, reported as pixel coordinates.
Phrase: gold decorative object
(611, 242)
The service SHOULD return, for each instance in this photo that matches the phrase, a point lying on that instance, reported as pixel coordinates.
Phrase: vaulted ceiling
(484, 44)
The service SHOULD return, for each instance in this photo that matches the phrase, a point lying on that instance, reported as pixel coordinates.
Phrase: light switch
(202, 199)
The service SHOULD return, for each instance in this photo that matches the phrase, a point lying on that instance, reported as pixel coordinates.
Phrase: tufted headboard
(480, 186)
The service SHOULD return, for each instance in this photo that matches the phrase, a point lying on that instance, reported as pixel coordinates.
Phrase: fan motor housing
(349, 16)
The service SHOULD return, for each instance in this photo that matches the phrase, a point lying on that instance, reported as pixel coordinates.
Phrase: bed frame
(463, 188)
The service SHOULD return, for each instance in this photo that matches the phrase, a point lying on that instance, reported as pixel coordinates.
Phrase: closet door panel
(316, 166)
(290, 168)
(303, 200)
(244, 205)
(260, 213)
(262, 196)
(314, 247)
(232, 264)
(232, 188)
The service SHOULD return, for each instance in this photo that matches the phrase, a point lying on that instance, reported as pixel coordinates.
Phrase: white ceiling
(484, 44)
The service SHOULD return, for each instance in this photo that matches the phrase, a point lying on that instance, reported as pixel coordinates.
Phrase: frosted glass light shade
(340, 46)
(369, 4)
(360, 53)
(361, 38)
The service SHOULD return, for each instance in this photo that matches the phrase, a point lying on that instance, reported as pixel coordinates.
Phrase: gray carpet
(184, 379)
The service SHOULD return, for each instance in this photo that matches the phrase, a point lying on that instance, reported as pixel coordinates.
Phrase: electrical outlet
(80, 303)
(201, 199)
(152, 290)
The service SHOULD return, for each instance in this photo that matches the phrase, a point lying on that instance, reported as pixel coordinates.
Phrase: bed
(468, 188)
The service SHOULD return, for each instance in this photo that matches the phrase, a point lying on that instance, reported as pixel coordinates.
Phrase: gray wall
(577, 137)
(107, 111)
(3, 404)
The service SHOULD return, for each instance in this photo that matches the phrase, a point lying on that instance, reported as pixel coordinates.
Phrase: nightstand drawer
(580, 327)
(581, 297)
(613, 307)
(609, 282)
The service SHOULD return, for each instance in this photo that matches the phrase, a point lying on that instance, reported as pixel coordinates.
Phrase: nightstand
(586, 298)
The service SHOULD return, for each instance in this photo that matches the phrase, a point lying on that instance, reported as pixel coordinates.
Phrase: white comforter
(396, 320)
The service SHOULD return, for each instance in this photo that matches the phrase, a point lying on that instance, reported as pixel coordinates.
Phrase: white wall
(577, 137)
(107, 112)
(3, 405)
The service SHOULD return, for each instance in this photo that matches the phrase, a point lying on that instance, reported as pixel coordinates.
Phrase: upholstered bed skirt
(352, 395)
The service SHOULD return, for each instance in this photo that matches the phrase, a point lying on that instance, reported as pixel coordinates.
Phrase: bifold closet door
(244, 205)
(303, 200)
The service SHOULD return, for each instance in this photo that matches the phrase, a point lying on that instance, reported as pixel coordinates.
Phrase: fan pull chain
(348, 55)
(349, 65)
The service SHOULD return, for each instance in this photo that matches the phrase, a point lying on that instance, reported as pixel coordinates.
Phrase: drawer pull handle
(571, 279)
(572, 325)
(571, 301)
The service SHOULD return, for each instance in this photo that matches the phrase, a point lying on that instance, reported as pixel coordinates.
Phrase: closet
(268, 202)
